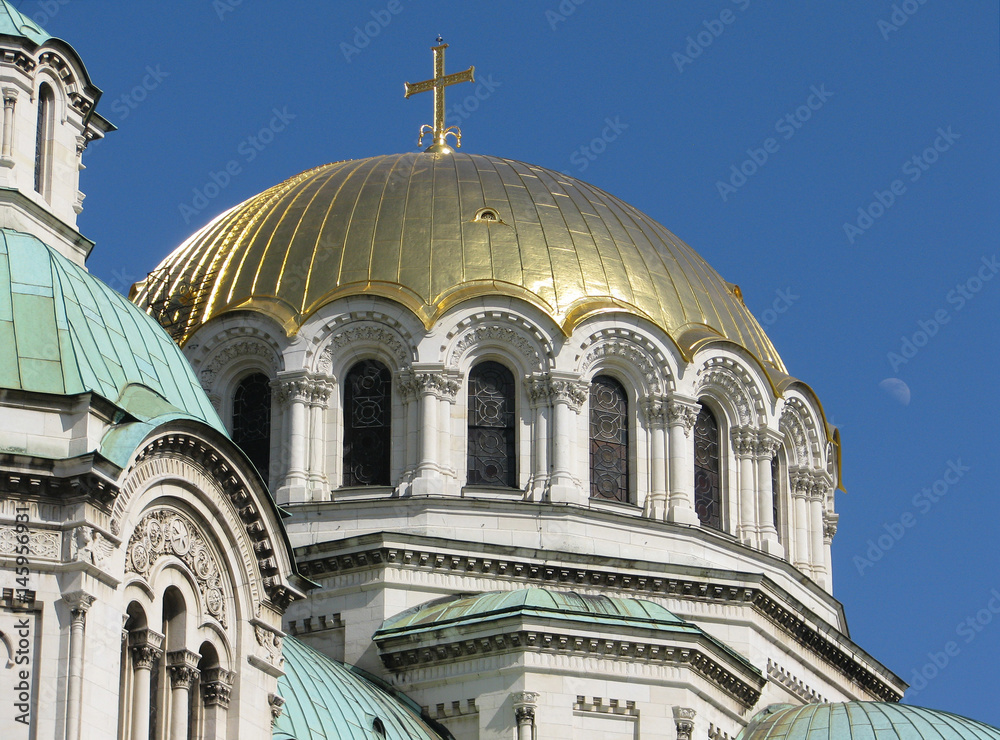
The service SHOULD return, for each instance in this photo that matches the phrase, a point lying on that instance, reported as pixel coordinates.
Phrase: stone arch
(631, 355)
(734, 388)
(502, 333)
(801, 430)
(362, 335)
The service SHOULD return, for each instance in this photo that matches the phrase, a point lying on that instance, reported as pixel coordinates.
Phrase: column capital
(436, 381)
(182, 665)
(217, 686)
(276, 703)
(682, 412)
(829, 526)
(569, 391)
(744, 442)
(768, 443)
(684, 722)
(655, 409)
(9, 96)
(79, 602)
(292, 387)
(146, 647)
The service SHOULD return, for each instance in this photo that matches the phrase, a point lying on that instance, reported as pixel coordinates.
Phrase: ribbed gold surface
(404, 227)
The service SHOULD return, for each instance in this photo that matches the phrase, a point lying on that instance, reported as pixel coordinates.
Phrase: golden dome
(431, 230)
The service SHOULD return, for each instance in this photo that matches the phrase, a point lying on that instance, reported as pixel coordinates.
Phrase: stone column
(525, 703)
(768, 442)
(433, 388)
(817, 505)
(655, 411)
(745, 445)
(319, 398)
(539, 397)
(146, 648)
(294, 392)
(684, 722)
(6, 147)
(447, 393)
(569, 395)
(829, 532)
(216, 688)
(801, 483)
(681, 416)
(409, 393)
(79, 603)
(182, 668)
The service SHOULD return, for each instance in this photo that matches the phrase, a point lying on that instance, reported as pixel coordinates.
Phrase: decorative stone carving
(164, 532)
(632, 354)
(289, 390)
(217, 686)
(87, 545)
(271, 642)
(79, 603)
(829, 526)
(683, 414)
(525, 703)
(232, 350)
(438, 384)
(574, 393)
(494, 333)
(42, 543)
(655, 410)
(684, 721)
(277, 704)
(744, 442)
(366, 333)
(146, 647)
(731, 389)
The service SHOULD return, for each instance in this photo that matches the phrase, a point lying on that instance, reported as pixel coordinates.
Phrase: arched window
(252, 420)
(43, 139)
(777, 486)
(492, 459)
(608, 439)
(707, 484)
(367, 398)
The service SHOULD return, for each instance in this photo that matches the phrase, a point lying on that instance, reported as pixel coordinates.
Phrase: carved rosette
(498, 335)
(683, 414)
(163, 533)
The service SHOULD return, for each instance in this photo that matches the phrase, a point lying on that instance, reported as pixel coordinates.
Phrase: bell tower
(49, 118)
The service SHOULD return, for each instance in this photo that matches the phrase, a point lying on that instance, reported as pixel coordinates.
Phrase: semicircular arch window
(707, 469)
(367, 424)
(609, 451)
(252, 420)
(492, 460)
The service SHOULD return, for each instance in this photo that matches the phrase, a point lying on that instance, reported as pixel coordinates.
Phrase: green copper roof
(64, 332)
(326, 699)
(562, 605)
(863, 721)
(15, 23)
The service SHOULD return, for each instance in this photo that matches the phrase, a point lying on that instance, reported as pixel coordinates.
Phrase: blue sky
(837, 160)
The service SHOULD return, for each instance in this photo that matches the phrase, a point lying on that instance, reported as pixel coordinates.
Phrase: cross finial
(438, 84)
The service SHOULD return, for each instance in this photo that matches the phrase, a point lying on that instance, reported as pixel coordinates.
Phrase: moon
(897, 389)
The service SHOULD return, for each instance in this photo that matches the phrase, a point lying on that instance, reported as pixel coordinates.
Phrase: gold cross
(438, 84)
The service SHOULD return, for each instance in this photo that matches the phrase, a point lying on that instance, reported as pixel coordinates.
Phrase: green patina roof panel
(15, 23)
(327, 700)
(863, 721)
(63, 331)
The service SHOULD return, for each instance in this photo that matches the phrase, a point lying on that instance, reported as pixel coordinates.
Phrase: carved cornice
(166, 532)
(45, 483)
(795, 685)
(527, 573)
(520, 640)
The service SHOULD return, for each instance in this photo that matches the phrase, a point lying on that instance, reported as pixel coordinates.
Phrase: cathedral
(424, 445)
